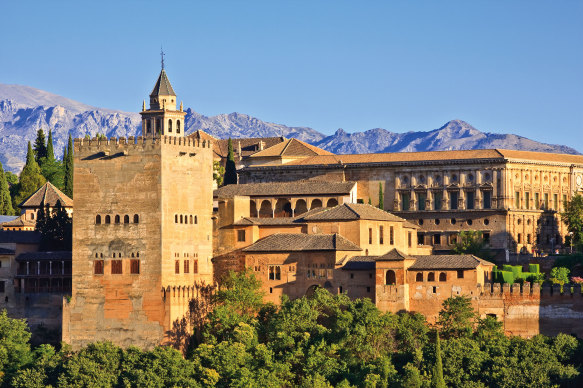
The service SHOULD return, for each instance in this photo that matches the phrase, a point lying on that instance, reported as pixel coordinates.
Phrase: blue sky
(502, 66)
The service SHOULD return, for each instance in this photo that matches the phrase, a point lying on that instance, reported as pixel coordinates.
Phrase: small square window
(241, 236)
(460, 274)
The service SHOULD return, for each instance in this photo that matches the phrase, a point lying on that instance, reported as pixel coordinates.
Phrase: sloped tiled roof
(265, 221)
(359, 263)
(47, 194)
(394, 255)
(542, 156)
(19, 222)
(248, 145)
(56, 255)
(162, 87)
(425, 262)
(298, 242)
(290, 148)
(4, 219)
(6, 252)
(354, 211)
(285, 188)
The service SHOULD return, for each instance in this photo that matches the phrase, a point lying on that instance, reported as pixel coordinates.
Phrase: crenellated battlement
(140, 142)
(526, 289)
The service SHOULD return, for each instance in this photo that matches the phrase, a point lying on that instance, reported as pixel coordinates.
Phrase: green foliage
(68, 169)
(573, 218)
(470, 242)
(381, 197)
(55, 227)
(52, 169)
(31, 178)
(218, 173)
(559, 275)
(40, 147)
(457, 317)
(230, 177)
(437, 380)
(14, 346)
(513, 274)
(11, 178)
(5, 198)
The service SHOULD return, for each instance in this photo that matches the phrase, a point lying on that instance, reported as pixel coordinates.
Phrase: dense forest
(322, 340)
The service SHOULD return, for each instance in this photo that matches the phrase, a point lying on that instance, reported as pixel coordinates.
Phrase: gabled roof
(291, 148)
(271, 189)
(298, 242)
(162, 87)
(428, 262)
(48, 194)
(19, 222)
(394, 255)
(359, 263)
(353, 211)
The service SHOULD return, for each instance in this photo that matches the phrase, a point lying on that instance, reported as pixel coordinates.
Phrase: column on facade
(50, 267)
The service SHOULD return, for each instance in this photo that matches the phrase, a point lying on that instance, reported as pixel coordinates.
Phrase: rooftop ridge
(81, 144)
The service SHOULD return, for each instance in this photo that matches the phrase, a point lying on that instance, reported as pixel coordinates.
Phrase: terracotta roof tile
(285, 188)
(298, 242)
(47, 194)
(291, 147)
(19, 222)
(425, 262)
(542, 156)
(353, 211)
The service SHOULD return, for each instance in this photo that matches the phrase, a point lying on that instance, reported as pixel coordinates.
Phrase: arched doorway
(283, 208)
(316, 203)
(390, 278)
(332, 202)
(301, 207)
(265, 211)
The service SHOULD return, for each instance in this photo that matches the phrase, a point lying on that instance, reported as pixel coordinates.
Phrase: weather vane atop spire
(162, 55)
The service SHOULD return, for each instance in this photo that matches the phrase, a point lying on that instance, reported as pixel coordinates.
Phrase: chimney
(261, 145)
(239, 149)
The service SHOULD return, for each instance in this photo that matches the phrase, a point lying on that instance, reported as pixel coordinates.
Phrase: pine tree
(381, 197)
(437, 380)
(52, 169)
(40, 147)
(5, 198)
(68, 164)
(31, 178)
(230, 168)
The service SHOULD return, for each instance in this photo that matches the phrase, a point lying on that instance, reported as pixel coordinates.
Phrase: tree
(68, 165)
(573, 218)
(470, 242)
(5, 198)
(218, 173)
(31, 178)
(50, 149)
(437, 380)
(55, 228)
(456, 318)
(381, 198)
(230, 167)
(40, 147)
(52, 169)
(14, 346)
(559, 275)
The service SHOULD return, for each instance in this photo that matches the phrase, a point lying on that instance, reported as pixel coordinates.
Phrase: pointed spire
(181, 107)
(162, 87)
(144, 106)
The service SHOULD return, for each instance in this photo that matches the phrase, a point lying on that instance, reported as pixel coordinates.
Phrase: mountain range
(24, 110)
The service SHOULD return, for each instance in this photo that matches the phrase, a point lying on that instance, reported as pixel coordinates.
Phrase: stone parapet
(88, 146)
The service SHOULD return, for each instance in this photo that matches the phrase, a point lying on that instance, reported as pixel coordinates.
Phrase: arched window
(195, 219)
(148, 126)
(32, 216)
(191, 218)
(107, 219)
(136, 219)
(169, 125)
(117, 219)
(133, 254)
(442, 277)
(158, 126)
(98, 219)
(137, 254)
(390, 277)
(419, 277)
(114, 255)
(177, 126)
(175, 218)
(431, 277)
(181, 219)
(126, 219)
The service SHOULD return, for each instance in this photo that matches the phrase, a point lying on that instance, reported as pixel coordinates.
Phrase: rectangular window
(453, 200)
(391, 235)
(194, 266)
(241, 235)
(135, 267)
(556, 201)
(420, 238)
(460, 274)
(410, 239)
(177, 266)
(519, 238)
(116, 267)
(274, 272)
(436, 239)
(470, 199)
(546, 199)
(186, 266)
(421, 198)
(2, 286)
(453, 239)
(527, 200)
(528, 239)
(486, 237)
(381, 235)
(537, 201)
(437, 200)
(487, 199)
(517, 200)
(98, 267)
(405, 201)
(370, 235)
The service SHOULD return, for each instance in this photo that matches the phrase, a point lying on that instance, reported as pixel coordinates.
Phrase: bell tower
(162, 118)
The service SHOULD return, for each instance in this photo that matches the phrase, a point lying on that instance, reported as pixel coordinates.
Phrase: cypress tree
(50, 149)
(68, 164)
(5, 198)
(31, 178)
(40, 147)
(52, 169)
(230, 168)
(381, 197)
(437, 380)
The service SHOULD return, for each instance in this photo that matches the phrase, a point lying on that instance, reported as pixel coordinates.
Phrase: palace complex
(147, 226)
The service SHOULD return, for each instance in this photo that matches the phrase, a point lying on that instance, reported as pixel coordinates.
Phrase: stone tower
(142, 231)
(162, 118)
